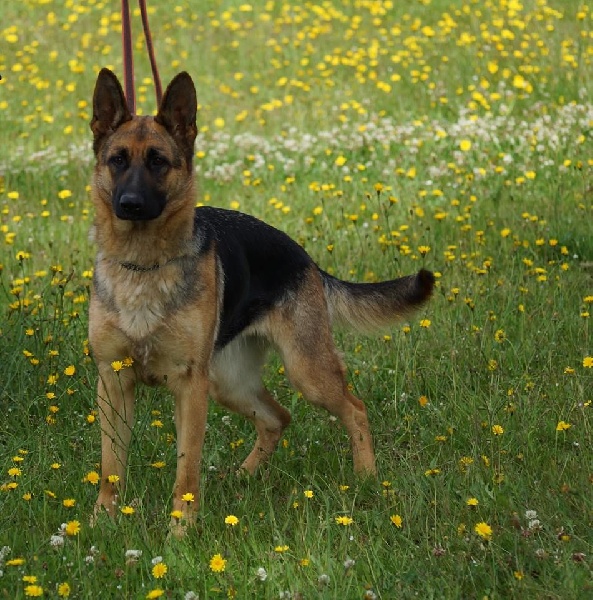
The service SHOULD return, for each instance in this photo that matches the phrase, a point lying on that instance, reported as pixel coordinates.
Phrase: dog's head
(142, 161)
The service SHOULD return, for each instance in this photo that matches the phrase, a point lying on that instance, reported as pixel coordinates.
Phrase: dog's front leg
(191, 408)
(116, 414)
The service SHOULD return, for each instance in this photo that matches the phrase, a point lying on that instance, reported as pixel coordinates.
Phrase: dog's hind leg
(302, 333)
(235, 382)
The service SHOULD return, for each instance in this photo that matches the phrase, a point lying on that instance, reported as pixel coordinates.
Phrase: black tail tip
(424, 285)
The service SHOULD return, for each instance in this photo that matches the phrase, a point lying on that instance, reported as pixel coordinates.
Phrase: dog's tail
(368, 307)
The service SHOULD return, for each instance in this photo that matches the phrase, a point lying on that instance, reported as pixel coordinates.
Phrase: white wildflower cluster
(57, 540)
(89, 559)
(535, 137)
(133, 556)
(533, 523)
(4, 552)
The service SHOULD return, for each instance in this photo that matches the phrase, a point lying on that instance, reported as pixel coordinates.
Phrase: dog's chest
(144, 303)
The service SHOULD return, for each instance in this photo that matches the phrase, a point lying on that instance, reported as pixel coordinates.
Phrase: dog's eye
(157, 162)
(118, 161)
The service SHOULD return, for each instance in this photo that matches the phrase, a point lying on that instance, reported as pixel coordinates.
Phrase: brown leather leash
(126, 33)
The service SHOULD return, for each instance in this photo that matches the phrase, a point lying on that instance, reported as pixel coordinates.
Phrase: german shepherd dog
(196, 296)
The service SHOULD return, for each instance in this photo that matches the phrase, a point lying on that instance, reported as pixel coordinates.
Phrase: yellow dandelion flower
(308, 493)
(217, 563)
(465, 145)
(231, 520)
(588, 362)
(33, 590)
(472, 502)
(282, 549)
(340, 161)
(64, 590)
(497, 429)
(127, 510)
(113, 478)
(159, 570)
(499, 336)
(72, 528)
(563, 426)
(396, 520)
(117, 365)
(70, 370)
(188, 497)
(69, 502)
(92, 477)
(483, 530)
(426, 323)
(156, 593)
(344, 520)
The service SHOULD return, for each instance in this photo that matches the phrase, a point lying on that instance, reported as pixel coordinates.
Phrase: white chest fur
(142, 301)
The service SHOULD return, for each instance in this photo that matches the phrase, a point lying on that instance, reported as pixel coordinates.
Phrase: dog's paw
(105, 504)
(177, 529)
(98, 513)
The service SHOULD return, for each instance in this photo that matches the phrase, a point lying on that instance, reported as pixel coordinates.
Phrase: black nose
(131, 205)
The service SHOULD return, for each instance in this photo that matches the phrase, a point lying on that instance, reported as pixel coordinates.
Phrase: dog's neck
(130, 266)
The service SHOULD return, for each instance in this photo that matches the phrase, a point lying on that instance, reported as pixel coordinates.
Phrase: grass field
(383, 136)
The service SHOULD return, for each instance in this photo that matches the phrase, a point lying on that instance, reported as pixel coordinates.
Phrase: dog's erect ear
(177, 113)
(109, 107)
